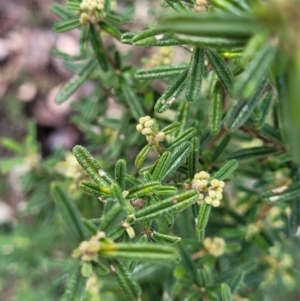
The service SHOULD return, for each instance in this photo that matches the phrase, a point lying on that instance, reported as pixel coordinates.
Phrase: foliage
(205, 206)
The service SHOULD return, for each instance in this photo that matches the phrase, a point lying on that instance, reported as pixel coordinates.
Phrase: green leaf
(84, 38)
(202, 221)
(225, 171)
(171, 128)
(160, 72)
(184, 136)
(91, 166)
(283, 193)
(209, 42)
(170, 205)
(253, 153)
(131, 100)
(220, 148)
(66, 25)
(120, 173)
(164, 239)
(139, 251)
(161, 166)
(166, 190)
(223, 25)
(179, 155)
(116, 193)
(127, 282)
(95, 189)
(225, 292)
(62, 12)
(193, 158)
(76, 81)
(224, 74)
(241, 110)
(113, 218)
(98, 48)
(178, 6)
(71, 5)
(173, 91)
(252, 77)
(76, 287)
(146, 34)
(195, 74)
(215, 110)
(68, 210)
(142, 190)
(236, 279)
(111, 30)
(141, 156)
(13, 146)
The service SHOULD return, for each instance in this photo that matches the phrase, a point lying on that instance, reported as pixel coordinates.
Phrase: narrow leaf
(139, 251)
(95, 189)
(84, 38)
(113, 218)
(225, 171)
(68, 210)
(168, 206)
(253, 153)
(141, 156)
(120, 173)
(132, 101)
(127, 282)
(224, 74)
(66, 25)
(184, 136)
(142, 190)
(195, 74)
(164, 239)
(98, 48)
(76, 287)
(76, 81)
(215, 110)
(225, 292)
(173, 91)
(251, 79)
(161, 166)
(202, 221)
(241, 110)
(193, 158)
(91, 166)
(179, 155)
(160, 72)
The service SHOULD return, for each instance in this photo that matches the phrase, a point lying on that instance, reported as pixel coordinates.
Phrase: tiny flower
(146, 131)
(216, 203)
(139, 127)
(214, 183)
(219, 195)
(212, 193)
(148, 123)
(208, 200)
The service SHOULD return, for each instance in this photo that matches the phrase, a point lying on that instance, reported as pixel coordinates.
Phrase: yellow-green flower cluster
(211, 192)
(88, 250)
(145, 127)
(91, 11)
(163, 57)
(279, 263)
(200, 5)
(215, 246)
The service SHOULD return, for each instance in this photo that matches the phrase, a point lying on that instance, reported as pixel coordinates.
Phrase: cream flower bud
(212, 193)
(139, 127)
(214, 183)
(221, 184)
(142, 120)
(146, 131)
(219, 189)
(219, 195)
(201, 196)
(148, 123)
(204, 182)
(208, 200)
(160, 136)
(216, 203)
